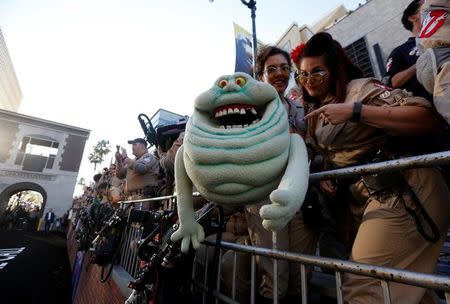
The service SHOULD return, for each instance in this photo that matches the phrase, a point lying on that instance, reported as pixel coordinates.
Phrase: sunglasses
(284, 69)
(316, 77)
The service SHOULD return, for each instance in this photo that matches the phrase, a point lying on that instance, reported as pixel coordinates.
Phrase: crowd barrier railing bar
(420, 161)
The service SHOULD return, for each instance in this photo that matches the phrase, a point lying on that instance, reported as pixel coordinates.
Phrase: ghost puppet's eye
(240, 81)
(222, 83)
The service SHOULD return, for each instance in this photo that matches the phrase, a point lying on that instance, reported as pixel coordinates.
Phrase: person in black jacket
(49, 220)
(401, 63)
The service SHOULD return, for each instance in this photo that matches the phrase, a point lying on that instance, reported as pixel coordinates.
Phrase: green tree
(98, 153)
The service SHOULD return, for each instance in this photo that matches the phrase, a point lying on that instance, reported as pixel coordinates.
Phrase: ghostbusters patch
(385, 94)
(414, 51)
(432, 21)
(146, 158)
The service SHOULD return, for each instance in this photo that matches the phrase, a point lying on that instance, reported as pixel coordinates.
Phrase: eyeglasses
(316, 77)
(284, 69)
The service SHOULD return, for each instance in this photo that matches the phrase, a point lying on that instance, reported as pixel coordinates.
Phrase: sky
(97, 64)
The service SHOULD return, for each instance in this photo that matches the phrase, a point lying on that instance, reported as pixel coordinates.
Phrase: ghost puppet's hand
(189, 231)
(278, 214)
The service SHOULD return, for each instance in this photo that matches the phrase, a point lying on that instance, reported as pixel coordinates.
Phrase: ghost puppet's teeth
(236, 116)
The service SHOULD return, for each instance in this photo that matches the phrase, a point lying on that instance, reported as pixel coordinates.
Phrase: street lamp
(251, 4)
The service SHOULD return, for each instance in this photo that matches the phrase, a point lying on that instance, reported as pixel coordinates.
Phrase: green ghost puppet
(238, 150)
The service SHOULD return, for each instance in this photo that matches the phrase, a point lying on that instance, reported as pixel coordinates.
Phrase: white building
(10, 93)
(39, 155)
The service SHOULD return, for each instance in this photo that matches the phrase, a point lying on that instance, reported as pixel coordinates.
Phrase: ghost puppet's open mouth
(236, 116)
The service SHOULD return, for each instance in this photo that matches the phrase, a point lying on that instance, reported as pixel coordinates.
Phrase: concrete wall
(8, 131)
(379, 21)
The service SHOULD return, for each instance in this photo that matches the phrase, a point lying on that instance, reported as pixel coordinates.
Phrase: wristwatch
(357, 108)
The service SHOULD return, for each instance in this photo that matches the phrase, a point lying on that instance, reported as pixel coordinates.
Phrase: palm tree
(98, 153)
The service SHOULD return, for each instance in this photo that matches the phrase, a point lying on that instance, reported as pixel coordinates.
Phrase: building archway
(18, 187)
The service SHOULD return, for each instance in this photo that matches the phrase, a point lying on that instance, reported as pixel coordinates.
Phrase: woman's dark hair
(410, 10)
(97, 177)
(264, 53)
(341, 69)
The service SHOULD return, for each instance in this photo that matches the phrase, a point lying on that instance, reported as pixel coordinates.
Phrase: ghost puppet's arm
(189, 230)
(288, 197)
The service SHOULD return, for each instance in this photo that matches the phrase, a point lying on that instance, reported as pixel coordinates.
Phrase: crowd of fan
(322, 223)
(24, 215)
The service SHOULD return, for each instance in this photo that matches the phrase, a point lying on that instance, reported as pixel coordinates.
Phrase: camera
(163, 128)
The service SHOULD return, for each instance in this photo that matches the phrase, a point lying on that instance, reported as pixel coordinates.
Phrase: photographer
(114, 183)
(167, 161)
(141, 173)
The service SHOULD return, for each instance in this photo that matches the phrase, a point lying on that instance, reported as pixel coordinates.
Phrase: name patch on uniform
(432, 21)
(414, 51)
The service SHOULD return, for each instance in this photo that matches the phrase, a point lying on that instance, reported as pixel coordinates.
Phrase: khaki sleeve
(167, 160)
(441, 94)
(146, 163)
(375, 93)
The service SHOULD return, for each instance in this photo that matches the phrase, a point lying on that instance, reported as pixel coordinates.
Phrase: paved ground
(34, 268)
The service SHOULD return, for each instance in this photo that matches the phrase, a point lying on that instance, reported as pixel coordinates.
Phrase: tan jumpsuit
(387, 235)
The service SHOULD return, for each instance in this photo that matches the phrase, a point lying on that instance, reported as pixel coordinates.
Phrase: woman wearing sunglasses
(404, 216)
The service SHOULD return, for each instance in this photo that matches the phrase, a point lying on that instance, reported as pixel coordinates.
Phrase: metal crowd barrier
(130, 262)
(132, 234)
(385, 274)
